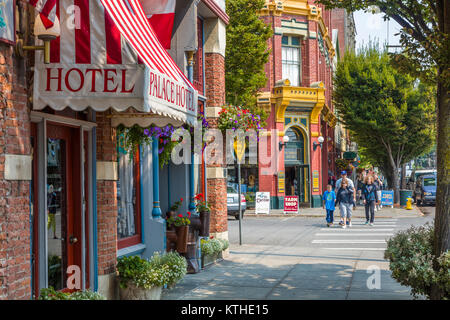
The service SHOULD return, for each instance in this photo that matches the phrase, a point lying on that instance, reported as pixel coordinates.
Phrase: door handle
(73, 239)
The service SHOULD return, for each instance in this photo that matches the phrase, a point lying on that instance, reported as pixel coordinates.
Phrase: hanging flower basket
(235, 117)
(131, 138)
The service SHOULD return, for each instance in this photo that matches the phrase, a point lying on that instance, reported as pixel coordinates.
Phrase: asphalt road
(300, 258)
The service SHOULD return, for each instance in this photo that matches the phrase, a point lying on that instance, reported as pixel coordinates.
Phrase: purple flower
(160, 150)
(146, 132)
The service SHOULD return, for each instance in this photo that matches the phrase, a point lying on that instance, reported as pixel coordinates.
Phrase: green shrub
(174, 264)
(52, 294)
(213, 245)
(206, 247)
(216, 245)
(160, 270)
(410, 254)
(225, 244)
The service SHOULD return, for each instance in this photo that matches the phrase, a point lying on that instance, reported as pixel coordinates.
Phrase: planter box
(211, 259)
(131, 292)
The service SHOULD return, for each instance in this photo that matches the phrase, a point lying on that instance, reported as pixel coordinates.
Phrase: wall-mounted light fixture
(315, 144)
(281, 145)
(42, 33)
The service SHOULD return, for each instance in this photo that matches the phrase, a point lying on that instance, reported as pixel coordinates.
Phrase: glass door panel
(56, 212)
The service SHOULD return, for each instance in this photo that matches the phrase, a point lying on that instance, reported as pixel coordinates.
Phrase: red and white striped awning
(108, 56)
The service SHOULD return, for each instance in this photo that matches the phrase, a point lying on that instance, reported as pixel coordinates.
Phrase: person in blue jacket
(370, 197)
(329, 198)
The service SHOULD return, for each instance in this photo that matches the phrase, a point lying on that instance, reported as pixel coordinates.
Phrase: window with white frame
(290, 59)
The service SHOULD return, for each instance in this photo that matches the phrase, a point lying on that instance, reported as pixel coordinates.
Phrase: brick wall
(106, 198)
(15, 271)
(215, 79)
(215, 94)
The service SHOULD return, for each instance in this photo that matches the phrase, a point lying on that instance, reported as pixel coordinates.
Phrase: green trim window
(291, 59)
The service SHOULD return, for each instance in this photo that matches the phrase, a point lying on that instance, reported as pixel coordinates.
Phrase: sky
(371, 26)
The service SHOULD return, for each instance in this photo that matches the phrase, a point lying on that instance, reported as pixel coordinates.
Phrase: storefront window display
(249, 181)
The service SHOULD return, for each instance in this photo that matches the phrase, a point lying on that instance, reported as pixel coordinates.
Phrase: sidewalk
(385, 212)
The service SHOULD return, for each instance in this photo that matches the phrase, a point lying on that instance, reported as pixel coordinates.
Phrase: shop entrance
(297, 182)
(58, 208)
(63, 203)
(296, 171)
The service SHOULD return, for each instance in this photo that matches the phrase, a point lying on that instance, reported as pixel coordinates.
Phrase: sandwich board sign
(262, 202)
(291, 204)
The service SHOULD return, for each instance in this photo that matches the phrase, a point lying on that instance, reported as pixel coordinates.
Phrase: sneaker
(371, 223)
(328, 225)
(350, 224)
(344, 226)
(341, 223)
(367, 222)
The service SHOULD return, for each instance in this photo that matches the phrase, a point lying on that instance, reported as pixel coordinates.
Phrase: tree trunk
(403, 181)
(395, 184)
(441, 221)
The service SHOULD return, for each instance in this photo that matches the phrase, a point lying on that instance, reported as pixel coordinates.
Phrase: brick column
(106, 203)
(215, 94)
(15, 152)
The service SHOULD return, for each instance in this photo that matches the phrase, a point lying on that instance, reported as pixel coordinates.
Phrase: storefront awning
(108, 56)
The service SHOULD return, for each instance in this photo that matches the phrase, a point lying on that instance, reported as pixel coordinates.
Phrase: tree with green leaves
(425, 37)
(389, 114)
(246, 53)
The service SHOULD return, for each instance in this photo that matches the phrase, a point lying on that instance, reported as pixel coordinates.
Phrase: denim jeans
(370, 205)
(330, 216)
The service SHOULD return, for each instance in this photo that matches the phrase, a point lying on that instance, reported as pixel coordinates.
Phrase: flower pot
(210, 259)
(131, 292)
(204, 218)
(171, 239)
(182, 237)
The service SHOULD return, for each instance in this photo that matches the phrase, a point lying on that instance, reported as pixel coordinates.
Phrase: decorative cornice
(300, 8)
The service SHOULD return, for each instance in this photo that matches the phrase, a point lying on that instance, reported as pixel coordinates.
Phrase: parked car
(233, 204)
(425, 192)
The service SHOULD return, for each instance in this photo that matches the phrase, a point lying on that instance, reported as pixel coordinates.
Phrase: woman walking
(345, 200)
(370, 197)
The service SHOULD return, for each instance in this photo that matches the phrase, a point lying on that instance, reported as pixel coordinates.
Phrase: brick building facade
(298, 98)
(61, 173)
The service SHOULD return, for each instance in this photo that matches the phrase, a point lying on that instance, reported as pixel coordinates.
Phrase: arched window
(294, 149)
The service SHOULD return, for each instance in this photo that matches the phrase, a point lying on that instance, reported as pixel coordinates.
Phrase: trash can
(404, 195)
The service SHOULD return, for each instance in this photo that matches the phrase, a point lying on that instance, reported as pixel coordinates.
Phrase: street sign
(239, 149)
(262, 202)
(349, 155)
(291, 204)
(387, 197)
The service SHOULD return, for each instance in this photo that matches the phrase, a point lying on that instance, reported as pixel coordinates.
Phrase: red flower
(181, 199)
(211, 237)
(180, 215)
(189, 214)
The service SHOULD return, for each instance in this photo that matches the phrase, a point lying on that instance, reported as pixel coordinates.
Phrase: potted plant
(51, 294)
(212, 250)
(181, 225)
(202, 206)
(141, 279)
(174, 208)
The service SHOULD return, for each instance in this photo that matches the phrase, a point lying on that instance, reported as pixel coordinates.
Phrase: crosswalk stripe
(371, 229)
(353, 234)
(348, 241)
(371, 249)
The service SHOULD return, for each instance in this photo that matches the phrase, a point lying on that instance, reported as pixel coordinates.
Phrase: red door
(64, 205)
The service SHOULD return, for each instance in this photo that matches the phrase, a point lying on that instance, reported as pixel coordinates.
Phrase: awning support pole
(190, 70)
(156, 212)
